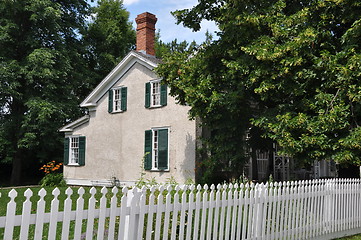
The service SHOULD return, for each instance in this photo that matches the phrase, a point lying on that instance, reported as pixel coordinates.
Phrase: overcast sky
(166, 23)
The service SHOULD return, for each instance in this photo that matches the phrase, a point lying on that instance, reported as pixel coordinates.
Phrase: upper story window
(74, 151)
(155, 94)
(117, 100)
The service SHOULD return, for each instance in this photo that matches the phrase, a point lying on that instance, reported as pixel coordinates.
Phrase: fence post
(130, 196)
(133, 203)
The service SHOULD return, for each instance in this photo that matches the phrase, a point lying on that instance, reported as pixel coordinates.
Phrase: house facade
(133, 127)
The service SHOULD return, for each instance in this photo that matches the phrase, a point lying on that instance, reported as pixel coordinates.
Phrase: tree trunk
(254, 165)
(16, 169)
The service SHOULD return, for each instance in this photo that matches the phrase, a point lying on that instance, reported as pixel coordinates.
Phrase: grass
(4, 199)
(354, 237)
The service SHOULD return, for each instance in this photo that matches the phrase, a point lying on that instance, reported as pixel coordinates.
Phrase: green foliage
(49, 60)
(110, 36)
(291, 68)
(53, 180)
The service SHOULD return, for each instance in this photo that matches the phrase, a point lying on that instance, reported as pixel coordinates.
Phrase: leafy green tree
(291, 68)
(40, 77)
(110, 36)
(163, 49)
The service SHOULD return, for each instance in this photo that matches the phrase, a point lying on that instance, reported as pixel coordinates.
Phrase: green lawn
(354, 237)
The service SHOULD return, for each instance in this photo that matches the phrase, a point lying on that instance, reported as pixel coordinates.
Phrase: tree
(162, 49)
(291, 68)
(110, 36)
(40, 77)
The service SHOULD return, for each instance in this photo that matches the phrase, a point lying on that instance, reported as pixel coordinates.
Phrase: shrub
(52, 180)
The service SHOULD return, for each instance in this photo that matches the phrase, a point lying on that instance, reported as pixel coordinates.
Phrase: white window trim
(153, 155)
(119, 100)
(151, 93)
(71, 163)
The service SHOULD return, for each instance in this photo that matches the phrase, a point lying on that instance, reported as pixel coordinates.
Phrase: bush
(52, 180)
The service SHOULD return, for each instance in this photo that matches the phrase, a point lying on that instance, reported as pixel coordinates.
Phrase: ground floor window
(156, 149)
(74, 151)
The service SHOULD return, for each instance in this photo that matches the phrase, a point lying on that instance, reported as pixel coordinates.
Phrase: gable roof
(70, 127)
(128, 61)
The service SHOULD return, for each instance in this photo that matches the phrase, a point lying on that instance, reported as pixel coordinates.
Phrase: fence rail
(317, 209)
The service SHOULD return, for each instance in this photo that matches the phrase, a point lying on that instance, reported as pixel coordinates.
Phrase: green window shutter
(81, 151)
(163, 149)
(148, 150)
(66, 151)
(147, 95)
(123, 103)
(110, 101)
(163, 95)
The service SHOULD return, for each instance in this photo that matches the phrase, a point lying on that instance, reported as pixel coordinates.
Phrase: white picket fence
(317, 209)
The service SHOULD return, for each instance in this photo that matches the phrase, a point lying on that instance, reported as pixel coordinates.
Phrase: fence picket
(40, 215)
(205, 208)
(142, 211)
(25, 220)
(159, 213)
(10, 215)
(210, 212)
(79, 214)
(191, 205)
(91, 213)
(113, 213)
(197, 210)
(54, 214)
(176, 206)
(317, 209)
(66, 217)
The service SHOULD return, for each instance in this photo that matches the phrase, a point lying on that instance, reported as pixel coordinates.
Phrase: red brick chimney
(146, 32)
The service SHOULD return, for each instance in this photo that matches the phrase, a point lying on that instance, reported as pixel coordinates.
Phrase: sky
(166, 23)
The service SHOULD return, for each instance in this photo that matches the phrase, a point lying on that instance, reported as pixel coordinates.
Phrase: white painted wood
(234, 211)
(102, 214)
(123, 214)
(176, 207)
(183, 213)
(79, 214)
(168, 207)
(26, 213)
(142, 211)
(91, 214)
(197, 212)
(134, 214)
(54, 214)
(150, 213)
(317, 209)
(66, 218)
(40, 208)
(10, 215)
(216, 211)
(159, 213)
(113, 213)
(205, 209)
(191, 206)
(210, 212)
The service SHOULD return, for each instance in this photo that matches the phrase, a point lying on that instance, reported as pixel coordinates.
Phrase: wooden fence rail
(315, 209)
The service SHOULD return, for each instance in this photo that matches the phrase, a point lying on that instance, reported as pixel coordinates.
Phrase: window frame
(70, 161)
(154, 95)
(156, 149)
(117, 101)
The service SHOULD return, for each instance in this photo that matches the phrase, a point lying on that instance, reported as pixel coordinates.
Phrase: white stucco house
(133, 125)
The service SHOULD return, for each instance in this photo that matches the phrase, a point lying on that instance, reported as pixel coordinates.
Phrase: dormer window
(155, 94)
(117, 100)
